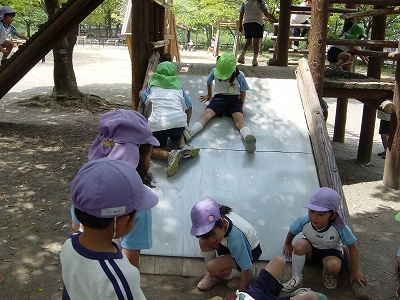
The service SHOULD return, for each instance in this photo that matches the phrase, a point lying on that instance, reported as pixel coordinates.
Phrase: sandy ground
(42, 148)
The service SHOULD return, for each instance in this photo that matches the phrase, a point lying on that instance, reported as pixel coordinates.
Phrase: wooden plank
(370, 13)
(358, 94)
(364, 43)
(157, 44)
(380, 54)
(369, 2)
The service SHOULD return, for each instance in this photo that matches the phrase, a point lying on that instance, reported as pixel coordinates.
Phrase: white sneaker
(292, 285)
(173, 161)
(295, 48)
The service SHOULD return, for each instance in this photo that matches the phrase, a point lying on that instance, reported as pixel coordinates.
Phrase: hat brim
(351, 36)
(397, 217)
(197, 231)
(221, 76)
(316, 207)
(150, 199)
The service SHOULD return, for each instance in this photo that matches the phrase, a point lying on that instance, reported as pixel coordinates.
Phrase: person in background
(384, 127)
(251, 21)
(7, 15)
(300, 19)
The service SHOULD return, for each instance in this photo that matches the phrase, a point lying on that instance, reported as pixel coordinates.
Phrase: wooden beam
(163, 4)
(364, 43)
(369, 2)
(370, 13)
(157, 44)
(384, 55)
(358, 94)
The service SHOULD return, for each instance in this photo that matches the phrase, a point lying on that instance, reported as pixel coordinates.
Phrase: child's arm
(288, 247)
(188, 113)
(355, 273)
(243, 283)
(270, 18)
(21, 36)
(243, 96)
(241, 15)
(207, 97)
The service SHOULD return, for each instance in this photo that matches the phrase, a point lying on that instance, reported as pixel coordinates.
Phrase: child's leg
(256, 50)
(343, 58)
(222, 266)
(275, 266)
(332, 264)
(207, 115)
(160, 153)
(248, 138)
(245, 47)
(8, 45)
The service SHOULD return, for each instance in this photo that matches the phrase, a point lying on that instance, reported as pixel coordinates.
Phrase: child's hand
(359, 277)
(205, 98)
(287, 250)
(230, 296)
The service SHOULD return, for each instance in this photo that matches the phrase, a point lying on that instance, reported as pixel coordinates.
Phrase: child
(171, 112)
(267, 285)
(252, 12)
(324, 232)
(126, 135)
(106, 194)
(7, 15)
(339, 55)
(222, 232)
(229, 97)
(300, 19)
(384, 127)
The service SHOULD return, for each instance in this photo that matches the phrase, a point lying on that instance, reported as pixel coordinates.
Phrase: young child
(126, 135)
(339, 55)
(170, 114)
(230, 94)
(267, 285)
(325, 233)
(7, 15)
(384, 127)
(300, 19)
(221, 231)
(252, 11)
(106, 195)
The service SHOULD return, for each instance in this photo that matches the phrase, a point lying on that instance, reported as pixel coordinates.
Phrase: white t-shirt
(253, 11)
(97, 275)
(298, 19)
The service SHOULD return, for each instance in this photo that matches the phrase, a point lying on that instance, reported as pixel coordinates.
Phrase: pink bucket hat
(326, 199)
(108, 188)
(204, 214)
(121, 133)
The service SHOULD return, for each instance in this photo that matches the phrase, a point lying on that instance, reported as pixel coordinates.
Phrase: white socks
(195, 128)
(298, 262)
(234, 273)
(244, 131)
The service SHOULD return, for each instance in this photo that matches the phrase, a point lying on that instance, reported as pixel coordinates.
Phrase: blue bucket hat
(6, 10)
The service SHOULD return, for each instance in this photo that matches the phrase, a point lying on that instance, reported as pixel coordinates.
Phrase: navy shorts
(162, 136)
(265, 287)
(384, 127)
(253, 30)
(225, 105)
(319, 254)
(332, 54)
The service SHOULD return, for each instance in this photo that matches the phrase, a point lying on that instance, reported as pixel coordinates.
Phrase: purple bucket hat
(326, 199)
(121, 132)
(204, 215)
(108, 188)
(6, 10)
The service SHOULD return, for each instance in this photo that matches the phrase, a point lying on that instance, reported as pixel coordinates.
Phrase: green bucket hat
(165, 76)
(225, 66)
(355, 31)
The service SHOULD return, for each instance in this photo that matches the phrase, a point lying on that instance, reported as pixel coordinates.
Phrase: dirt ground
(41, 149)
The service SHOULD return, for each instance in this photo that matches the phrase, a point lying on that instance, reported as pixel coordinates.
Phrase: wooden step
(299, 51)
(291, 38)
(296, 25)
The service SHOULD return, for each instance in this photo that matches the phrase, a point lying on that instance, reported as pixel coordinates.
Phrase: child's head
(121, 133)
(225, 66)
(326, 200)
(7, 14)
(166, 76)
(356, 31)
(105, 189)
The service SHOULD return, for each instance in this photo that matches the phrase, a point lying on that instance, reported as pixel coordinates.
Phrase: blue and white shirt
(240, 238)
(6, 31)
(97, 275)
(253, 11)
(332, 237)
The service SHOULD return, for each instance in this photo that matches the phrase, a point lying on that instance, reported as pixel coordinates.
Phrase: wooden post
(369, 114)
(391, 172)
(282, 43)
(317, 43)
(339, 130)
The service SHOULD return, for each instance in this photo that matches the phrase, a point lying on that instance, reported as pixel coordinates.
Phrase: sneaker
(295, 48)
(208, 282)
(186, 134)
(329, 280)
(382, 153)
(254, 63)
(189, 151)
(233, 284)
(292, 285)
(250, 141)
(241, 59)
(173, 161)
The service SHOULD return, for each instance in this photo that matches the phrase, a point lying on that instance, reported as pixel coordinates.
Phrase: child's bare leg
(332, 264)
(248, 138)
(275, 266)
(160, 153)
(256, 45)
(8, 45)
(344, 58)
(245, 47)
